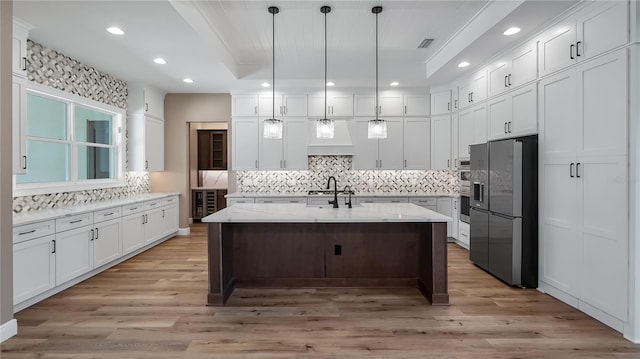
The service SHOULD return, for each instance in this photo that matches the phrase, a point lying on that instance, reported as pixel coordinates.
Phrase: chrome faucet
(347, 189)
(335, 191)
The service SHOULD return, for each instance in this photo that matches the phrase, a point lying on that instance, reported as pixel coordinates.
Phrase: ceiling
(226, 46)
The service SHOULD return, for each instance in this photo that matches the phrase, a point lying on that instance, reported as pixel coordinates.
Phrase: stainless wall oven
(465, 190)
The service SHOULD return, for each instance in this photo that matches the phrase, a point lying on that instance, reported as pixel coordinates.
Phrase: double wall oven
(465, 189)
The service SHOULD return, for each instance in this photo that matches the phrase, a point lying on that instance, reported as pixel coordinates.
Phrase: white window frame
(74, 184)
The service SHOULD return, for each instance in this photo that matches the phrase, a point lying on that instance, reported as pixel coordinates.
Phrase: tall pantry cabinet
(145, 124)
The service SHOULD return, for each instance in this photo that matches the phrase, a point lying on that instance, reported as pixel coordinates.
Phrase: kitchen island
(295, 245)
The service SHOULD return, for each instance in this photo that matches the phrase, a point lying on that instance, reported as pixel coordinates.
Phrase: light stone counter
(359, 194)
(53, 213)
(301, 213)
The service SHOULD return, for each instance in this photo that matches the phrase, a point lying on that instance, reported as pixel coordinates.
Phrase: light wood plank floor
(152, 306)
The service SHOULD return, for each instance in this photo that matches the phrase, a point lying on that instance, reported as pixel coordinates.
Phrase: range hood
(340, 144)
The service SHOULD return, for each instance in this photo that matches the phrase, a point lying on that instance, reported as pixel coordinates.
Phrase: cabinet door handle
(24, 162)
(471, 96)
(163, 213)
(405, 163)
(24, 64)
(255, 110)
(578, 169)
(509, 126)
(448, 106)
(281, 110)
(509, 81)
(379, 109)
(256, 166)
(97, 233)
(405, 109)
(332, 109)
(146, 107)
(143, 219)
(448, 163)
(571, 170)
(146, 165)
(505, 127)
(571, 52)
(54, 246)
(505, 81)
(578, 48)
(455, 103)
(455, 162)
(92, 232)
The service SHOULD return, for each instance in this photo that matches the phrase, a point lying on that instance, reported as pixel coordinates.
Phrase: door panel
(603, 28)
(417, 152)
(271, 150)
(366, 149)
(33, 268)
(479, 176)
(558, 118)
(74, 255)
(555, 46)
(479, 238)
(390, 148)
(295, 144)
(106, 246)
(505, 177)
(505, 248)
(524, 112)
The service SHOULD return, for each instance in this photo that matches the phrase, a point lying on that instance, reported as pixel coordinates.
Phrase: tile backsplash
(321, 167)
(54, 69)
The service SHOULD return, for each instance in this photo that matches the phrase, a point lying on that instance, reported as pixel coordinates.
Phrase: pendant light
(377, 128)
(272, 126)
(325, 126)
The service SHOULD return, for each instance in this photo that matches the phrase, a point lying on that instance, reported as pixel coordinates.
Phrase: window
(72, 144)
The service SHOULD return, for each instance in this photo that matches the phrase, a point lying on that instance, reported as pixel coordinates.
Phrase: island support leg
(220, 251)
(432, 280)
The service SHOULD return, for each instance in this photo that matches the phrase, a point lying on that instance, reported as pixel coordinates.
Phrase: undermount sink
(342, 206)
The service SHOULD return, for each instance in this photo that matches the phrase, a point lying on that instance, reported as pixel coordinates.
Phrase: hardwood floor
(153, 306)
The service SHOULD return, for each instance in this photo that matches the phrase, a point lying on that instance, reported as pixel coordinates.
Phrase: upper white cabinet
(289, 105)
(472, 129)
(146, 143)
(19, 129)
(338, 104)
(145, 100)
(19, 49)
(514, 114)
(289, 152)
(440, 102)
(384, 153)
(244, 105)
(473, 90)
(516, 68)
(245, 143)
(597, 28)
(417, 151)
(441, 142)
(417, 105)
(389, 104)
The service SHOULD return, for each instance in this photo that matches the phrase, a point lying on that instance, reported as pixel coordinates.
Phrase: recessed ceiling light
(115, 30)
(160, 61)
(512, 31)
(188, 80)
(463, 64)
(394, 83)
(330, 83)
(265, 84)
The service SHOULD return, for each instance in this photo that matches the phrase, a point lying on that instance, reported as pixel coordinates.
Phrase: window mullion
(73, 145)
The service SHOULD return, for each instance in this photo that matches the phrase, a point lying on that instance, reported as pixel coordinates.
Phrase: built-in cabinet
(244, 144)
(514, 69)
(514, 114)
(584, 187)
(441, 142)
(473, 90)
(145, 123)
(389, 104)
(338, 105)
(50, 255)
(288, 152)
(383, 153)
(287, 105)
(472, 129)
(440, 102)
(19, 97)
(212, 150)
(417, 150)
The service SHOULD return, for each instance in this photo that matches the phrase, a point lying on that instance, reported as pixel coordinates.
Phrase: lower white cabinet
(153, 225)
(463, 234)
(132, 232)
(441, 142)
(34, 267)
(449, 207)
(73, 251)
(171, 217)
(106, 242)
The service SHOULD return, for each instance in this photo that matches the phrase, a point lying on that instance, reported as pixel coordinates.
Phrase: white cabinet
(281, 199)
(145, 100)
(19, 49)
(383, 153)
(584, 184)
(597, 28)
(233, 200)
(417, 105)
(107, 241)
(244, 143)
(19, 129)
(132, 232)
(445, 206)
(34, 269)
(146, 143)
(289, 105)
(417, 137)
(473, 90)
(153, 221)
(338, 105)
(74, 253)
(514, 114)
(170, 216)
(516, 68)
(430, 203)
(244, 105)
(440, 102)
(463, 234)
(441, 142)
(289, 152)
(382, 199)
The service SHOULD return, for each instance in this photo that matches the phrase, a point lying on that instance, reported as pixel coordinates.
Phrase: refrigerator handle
(482, 192)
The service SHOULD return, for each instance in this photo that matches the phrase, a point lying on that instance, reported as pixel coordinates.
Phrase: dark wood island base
(398, 254)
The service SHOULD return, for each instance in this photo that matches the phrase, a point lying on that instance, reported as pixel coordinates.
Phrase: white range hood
(340, 144)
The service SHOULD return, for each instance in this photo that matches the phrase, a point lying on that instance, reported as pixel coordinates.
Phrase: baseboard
(8, 329)
(184, 231)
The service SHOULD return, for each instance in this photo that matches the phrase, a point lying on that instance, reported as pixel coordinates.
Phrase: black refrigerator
(504, 210)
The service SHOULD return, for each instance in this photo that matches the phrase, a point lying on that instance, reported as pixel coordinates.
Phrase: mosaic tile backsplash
(321, 167)
(54, 69)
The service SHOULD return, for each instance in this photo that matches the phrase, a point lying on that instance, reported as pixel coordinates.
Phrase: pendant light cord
(377, 110)
(325, 65)
(273, 65)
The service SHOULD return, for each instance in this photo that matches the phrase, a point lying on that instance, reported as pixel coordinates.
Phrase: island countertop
(301, 213)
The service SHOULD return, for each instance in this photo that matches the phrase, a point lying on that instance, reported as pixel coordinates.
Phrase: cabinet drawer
(107, 214)
(152, 204)
(232, 201)
(33, 230)
(132, 208)
(424, 202)
(382, 199)
(71, 222)
(281, 200)
(170, 200)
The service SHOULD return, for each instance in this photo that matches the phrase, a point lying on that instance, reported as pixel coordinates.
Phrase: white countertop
(358, 194)
(301, 213)
(53, 213)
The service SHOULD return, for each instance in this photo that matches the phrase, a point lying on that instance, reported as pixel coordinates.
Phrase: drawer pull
(109, 214)
(27, 232)
(76, 221)
(133, 209)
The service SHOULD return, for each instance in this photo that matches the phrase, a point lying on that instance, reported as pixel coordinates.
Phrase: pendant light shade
(273, 127)
(377, 128)
(325, 126)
